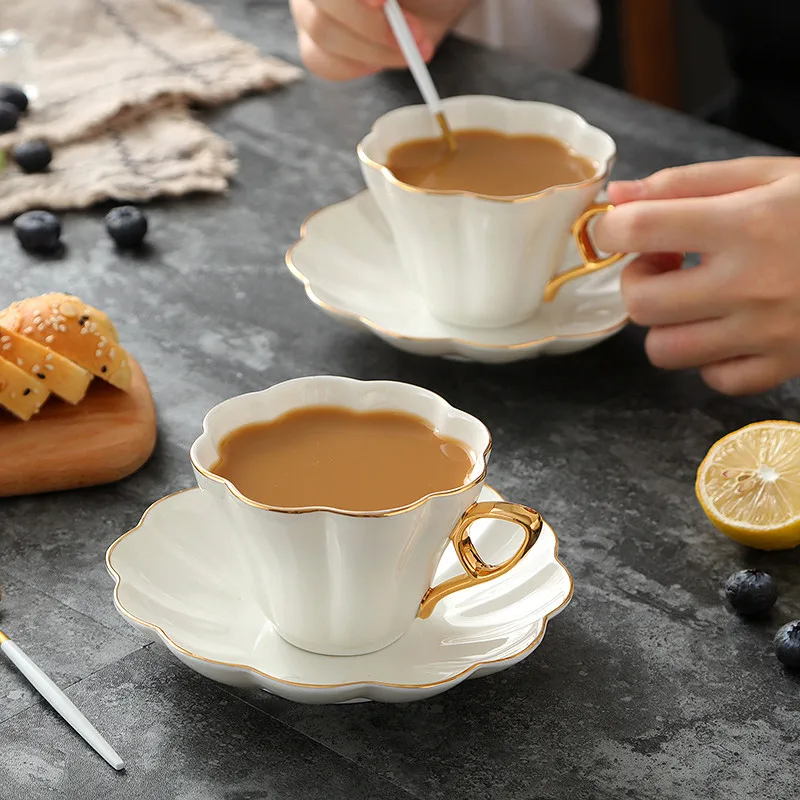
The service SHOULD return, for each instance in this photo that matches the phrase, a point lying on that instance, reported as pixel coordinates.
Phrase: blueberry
(38, 231)
(126, 225)
(751, 592)
(787, 645)
(11, 93)
(32, 156)
(9, 116)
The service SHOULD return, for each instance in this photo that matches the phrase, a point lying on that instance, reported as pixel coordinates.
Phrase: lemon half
(749, 485)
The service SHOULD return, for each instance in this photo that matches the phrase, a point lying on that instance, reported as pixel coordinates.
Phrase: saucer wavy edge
(442, 341)
(459, 677)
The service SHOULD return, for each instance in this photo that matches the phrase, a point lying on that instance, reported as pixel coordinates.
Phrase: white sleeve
(553, 33)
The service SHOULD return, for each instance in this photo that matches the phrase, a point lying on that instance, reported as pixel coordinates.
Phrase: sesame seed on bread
(62, 377)
(20, 392)
(66, 325)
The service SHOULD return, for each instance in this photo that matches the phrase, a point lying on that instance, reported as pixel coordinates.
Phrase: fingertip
(602, 235)
(427, 49)
(746, 375)
(331, 68)
(625, 191)
(421, 37)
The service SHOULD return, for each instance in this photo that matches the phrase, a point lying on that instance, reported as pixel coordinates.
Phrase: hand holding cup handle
(592, 260)
(475, 568)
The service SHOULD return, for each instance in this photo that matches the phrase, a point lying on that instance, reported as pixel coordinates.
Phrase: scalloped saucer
(347, 261)
(176, 576)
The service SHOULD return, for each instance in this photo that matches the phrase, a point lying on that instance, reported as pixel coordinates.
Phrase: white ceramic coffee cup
(480, 261)
(342, 582)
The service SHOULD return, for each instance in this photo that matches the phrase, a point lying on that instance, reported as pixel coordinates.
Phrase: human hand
(736, 316)
(345, 39)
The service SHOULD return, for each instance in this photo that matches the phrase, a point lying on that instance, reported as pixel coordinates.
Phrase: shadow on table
(614, 374)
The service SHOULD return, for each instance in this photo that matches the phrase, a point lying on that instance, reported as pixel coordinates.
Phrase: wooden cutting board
(106, 437)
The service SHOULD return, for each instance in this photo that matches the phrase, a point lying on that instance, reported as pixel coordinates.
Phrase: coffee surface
(490, 163)
(338, 458)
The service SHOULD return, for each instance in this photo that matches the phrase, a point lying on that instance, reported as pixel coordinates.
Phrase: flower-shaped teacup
(343, 582)
(481, 261)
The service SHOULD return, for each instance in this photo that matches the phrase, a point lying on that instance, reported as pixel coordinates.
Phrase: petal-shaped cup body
(477, 261)
(333, 581)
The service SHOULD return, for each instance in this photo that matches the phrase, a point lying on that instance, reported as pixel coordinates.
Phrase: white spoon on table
(59, 701)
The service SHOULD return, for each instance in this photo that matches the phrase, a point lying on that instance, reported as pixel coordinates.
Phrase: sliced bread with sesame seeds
(81, 333)
(64, 378)
(20, 392)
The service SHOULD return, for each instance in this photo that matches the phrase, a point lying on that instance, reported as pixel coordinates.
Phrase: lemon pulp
(749, 485)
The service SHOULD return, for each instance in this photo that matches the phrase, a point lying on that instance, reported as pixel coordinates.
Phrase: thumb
(699, 180)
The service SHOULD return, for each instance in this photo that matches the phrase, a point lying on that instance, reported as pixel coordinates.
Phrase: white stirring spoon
(418, 67)
(60, 702)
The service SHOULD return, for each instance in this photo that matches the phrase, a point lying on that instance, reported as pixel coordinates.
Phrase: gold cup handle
(592, 260)
(477, 570)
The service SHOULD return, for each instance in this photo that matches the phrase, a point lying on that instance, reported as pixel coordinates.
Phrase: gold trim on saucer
(379, 329)
(3, 638)
(171, 643)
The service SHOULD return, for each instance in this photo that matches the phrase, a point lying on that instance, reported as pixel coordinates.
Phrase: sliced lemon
(749, 485)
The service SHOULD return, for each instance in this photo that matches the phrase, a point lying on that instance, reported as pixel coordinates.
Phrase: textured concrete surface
(646, 687)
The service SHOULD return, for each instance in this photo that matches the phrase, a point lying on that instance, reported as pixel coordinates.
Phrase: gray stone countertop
(645, 687)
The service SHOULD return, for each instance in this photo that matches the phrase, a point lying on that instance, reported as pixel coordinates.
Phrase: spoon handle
(60, 702)
(412, 55)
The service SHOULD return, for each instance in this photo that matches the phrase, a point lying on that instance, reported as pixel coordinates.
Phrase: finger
(336, 39)
(695, 225)
(654, 295)
(330, 67)
(659, 263)
(748, 375)
(696, 344)
(700, 180)
(368, 21)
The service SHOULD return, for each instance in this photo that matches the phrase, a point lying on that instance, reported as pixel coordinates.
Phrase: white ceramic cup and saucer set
(324, 605)
(461, 275)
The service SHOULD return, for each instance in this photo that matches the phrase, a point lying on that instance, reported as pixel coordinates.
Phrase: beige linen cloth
(115, 78)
